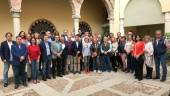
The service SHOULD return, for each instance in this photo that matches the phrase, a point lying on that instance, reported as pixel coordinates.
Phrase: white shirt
(114, 47)
(128, 46)
(10, 44)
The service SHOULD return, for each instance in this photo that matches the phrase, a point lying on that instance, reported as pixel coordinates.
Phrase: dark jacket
(94, 48)
(76, 49)
(18, 52)
(160, 48)
(5, 51)
(44, 51)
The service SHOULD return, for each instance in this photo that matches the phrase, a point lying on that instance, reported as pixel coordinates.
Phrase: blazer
(77, 48)
(5, 51)
(44, 51)
(18, 52)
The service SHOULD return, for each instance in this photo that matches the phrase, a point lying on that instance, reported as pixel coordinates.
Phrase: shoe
(25, 84)
(148, 77)
(16, 86)
(38, 81)
(29, 79)
(156, 77)
(48, 77)
(94, 71)
(54, 77)
(99, 72)
(60, 75)
(140, 79)
(163, 80)
(44, 78)
(5, 84)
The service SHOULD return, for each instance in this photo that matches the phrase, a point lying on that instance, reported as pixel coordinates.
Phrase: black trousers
(114, 62)
(56, 67)
(63, 64)
(139, 67)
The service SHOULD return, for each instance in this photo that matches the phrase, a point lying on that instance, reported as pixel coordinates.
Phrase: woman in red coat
(34, 57)
(138, 55)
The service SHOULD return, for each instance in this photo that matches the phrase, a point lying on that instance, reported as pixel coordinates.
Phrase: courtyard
(93, 84)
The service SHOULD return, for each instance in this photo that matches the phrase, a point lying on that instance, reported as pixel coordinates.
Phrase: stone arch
(77, 4)
(153, 10)
(128, 1)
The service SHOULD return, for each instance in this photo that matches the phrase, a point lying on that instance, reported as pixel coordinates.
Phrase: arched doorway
(143, 17)
(41, 26)
(84, 27)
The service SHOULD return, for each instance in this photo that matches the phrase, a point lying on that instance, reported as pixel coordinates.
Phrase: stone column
(121, 27)
(167, 22)
(76, 24)
(111, 25)
(16, 22)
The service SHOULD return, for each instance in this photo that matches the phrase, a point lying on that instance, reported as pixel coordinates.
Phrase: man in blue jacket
(19, 54)
(46, 53)
(6, 56)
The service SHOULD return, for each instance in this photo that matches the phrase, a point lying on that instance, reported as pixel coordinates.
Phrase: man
(19, 54)
(69, 55)
(50, 37)
(160, 54)
(6, 56)
(56, 49)
(45, 47)
(106, 48)
(77, 53)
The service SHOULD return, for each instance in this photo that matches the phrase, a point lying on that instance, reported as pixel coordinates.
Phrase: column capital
(76, 16)
(110, 18)
(121, 18)
(15, 14)
(167, 16)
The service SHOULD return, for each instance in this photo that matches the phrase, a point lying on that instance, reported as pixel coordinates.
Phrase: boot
(150, 73)
(147, 72)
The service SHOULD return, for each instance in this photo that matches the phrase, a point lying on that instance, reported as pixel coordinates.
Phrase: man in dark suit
(45, 47)
(19, 54)
(6, 56)
(77, 53)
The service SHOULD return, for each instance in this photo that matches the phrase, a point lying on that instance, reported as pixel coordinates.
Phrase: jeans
(46, 66)
(106, 66)
(19, 73)
(161, 60)
(5, 72)
(16, 74)
(34, 69)
(86, 62)
(96, 63)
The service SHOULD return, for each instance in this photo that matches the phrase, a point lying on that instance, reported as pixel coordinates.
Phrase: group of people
(35, 57)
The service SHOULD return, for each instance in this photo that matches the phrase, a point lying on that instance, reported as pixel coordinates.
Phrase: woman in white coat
(148, 56)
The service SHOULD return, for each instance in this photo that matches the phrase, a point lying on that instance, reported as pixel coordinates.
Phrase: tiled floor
(93, 84)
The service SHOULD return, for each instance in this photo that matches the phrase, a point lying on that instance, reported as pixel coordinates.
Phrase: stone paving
(93, 84)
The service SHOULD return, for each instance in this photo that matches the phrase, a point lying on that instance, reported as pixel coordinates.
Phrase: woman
(37, 37)
(122, 52)
(148, 56)
(114, 53)
(138, 52)
(22, 34)
(86, 53)
(34, 57)
(128, 49)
